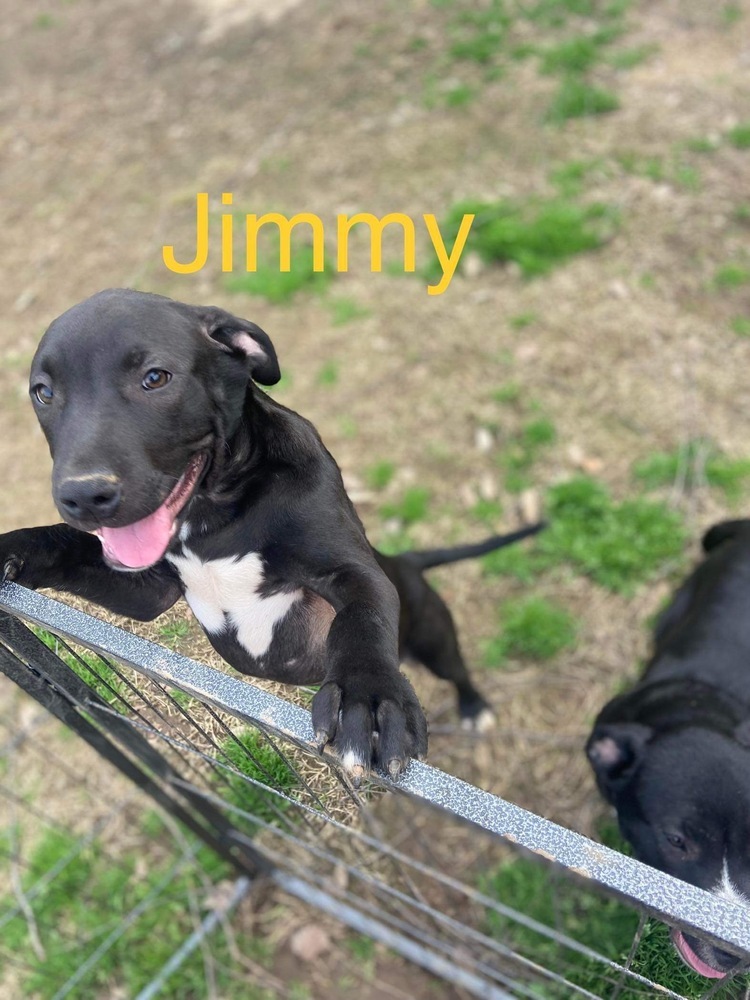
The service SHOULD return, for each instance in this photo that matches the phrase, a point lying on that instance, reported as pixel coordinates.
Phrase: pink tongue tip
(139, 545)
(695, 963)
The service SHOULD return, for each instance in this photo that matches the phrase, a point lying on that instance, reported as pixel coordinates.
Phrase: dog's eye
(156, 378)
(677, 841)
(43, 393)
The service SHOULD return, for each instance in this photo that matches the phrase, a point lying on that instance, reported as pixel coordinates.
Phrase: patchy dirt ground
(112, 117)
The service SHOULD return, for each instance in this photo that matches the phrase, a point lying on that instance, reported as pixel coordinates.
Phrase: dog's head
(682, 797)
(137, 396)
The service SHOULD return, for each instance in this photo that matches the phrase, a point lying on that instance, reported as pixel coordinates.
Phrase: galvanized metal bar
(663, 896)
(437, 964)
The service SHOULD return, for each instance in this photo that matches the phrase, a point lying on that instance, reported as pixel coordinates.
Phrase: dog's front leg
(64, 558)
(366, 708)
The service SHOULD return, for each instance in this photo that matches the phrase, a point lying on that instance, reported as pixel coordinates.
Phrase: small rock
(468, 495)
(24, 300)
(483, 439)
(576, 454)
(592, 465)
(488, 487)
(309, 942)
(473, 265)
(530, 506)
(619, 289)
(527, 352)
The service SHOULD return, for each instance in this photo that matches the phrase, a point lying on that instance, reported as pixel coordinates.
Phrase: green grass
(698, 461)
(604, 925)
(488, 512)
(328, 374)
(91, 669)
(575, 55)
(673, 170)
(732, 275)
(739, 136)
(570, 178)
(523, 450)
(522, 321)
(254, 757)
(618, 545)
(174, 631)
(576, 98)
(85, 903)
(479, 32)
(391, 543)
(345, 310)
(412, 507)
(380, 474)
(731, 14)
(278, 286)
(701, 145)
(537, 433)
(507, 394)
(458, 96)
(629, 58)
(538, 234)
(348, 426)
(740, 325)
(534, 629)
(515, 561)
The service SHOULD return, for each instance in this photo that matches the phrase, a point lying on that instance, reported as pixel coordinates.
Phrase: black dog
(673, 754)
(198, 484)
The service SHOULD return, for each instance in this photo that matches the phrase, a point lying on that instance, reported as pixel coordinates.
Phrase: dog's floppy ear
(240, 336)
(615, 752)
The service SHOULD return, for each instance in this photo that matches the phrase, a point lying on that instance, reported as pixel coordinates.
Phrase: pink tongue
(141, 544)
(695, 963)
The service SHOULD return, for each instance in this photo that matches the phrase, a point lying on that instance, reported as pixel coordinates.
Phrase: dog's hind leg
(430, 638)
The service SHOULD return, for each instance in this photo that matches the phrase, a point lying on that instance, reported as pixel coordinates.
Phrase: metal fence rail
(382, 864)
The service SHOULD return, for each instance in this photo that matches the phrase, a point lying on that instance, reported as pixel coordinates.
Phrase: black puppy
(673, 754)
(177, 476)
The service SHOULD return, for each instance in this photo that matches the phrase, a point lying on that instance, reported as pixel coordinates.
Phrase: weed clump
(537, 234)
(696, 462)
(533, 629)
(617, 545)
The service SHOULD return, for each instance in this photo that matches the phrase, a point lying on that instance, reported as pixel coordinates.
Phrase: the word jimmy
(344, 223)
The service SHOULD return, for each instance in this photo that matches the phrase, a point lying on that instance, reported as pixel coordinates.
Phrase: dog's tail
(439, 557)
(723, 532)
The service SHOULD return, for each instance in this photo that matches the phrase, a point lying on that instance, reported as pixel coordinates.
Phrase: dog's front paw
(370, 720)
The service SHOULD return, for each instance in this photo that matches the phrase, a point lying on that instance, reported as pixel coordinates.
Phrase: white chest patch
(224, 592)
(728, 890)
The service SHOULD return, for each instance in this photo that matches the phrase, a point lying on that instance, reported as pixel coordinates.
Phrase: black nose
(89, 497)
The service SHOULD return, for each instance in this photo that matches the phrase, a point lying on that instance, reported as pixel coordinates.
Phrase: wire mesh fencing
(493, 900)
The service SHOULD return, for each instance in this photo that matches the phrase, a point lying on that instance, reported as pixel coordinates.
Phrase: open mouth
(143, 543)
(690, 959)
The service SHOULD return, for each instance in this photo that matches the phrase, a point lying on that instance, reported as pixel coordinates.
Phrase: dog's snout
(93, 497)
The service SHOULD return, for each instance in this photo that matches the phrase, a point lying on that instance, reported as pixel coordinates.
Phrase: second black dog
(673, 754)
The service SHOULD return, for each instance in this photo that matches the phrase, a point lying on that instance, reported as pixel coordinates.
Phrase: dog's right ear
(240, 336)
(615, 752)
